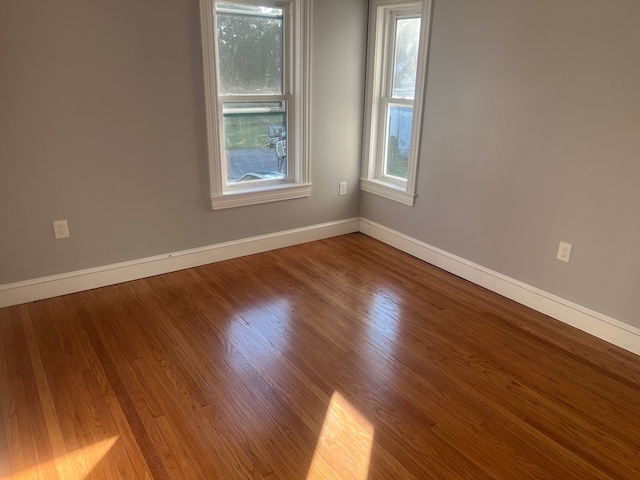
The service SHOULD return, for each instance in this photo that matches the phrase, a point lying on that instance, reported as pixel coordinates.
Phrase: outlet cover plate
(61, 229)
(564, 252)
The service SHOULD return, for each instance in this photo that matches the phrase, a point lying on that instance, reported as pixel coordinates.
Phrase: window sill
(387, 190)
(260, 195)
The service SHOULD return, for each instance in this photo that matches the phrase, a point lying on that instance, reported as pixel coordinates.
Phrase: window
(396, 72)
(256, 87)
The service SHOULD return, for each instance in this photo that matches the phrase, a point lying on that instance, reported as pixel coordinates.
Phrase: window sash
(384, 134)
(225, 8)
(393, 16)
(289, 109)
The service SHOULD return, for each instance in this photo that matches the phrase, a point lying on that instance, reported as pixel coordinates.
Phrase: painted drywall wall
(531, 136)
(102, 123)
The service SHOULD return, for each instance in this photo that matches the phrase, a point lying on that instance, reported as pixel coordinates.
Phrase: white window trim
(299, 184)
(378, 72)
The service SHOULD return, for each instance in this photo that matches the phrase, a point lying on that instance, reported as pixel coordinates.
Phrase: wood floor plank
(479, 412)
(54, 436)
(27, 439)
(514, 396)
(5, 340)
(227, 371)
(104, 392)
(146, 446)
(4, 449)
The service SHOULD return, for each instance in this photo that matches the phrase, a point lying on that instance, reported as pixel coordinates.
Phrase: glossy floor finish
(226, 372)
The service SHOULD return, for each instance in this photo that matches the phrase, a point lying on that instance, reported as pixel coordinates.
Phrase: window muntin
(256, 80)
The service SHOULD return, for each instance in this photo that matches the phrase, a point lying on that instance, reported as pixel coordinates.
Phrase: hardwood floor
(226, 372)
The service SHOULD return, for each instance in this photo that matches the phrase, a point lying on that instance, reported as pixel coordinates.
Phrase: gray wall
(102, 122)
(532, 136)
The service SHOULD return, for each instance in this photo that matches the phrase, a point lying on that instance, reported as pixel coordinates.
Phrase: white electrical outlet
(343, 188)
(61, 229)
(564, 251)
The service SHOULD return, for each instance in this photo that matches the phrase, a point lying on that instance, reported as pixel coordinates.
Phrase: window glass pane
(250, 49)
(255, 141)
(399, 122)
(406, 57)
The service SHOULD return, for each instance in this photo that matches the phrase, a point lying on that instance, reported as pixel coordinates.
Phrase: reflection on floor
(344, 446)
(78, 464)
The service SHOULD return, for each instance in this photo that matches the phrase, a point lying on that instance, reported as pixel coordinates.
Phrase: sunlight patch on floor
(344, 447)
(83, 460)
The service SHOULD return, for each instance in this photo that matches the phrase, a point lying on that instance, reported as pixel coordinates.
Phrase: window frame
(296, 92)
(379, 97)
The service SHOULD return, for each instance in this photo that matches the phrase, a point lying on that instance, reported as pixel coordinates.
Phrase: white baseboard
(53, 286)
(594, 323)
